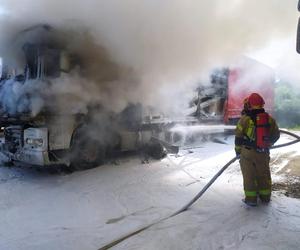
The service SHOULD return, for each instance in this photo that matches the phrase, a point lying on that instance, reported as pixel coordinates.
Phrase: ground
(290, 186)
(88, 209)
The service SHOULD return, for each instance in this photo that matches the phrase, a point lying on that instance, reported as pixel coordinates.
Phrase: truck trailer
(221, 101)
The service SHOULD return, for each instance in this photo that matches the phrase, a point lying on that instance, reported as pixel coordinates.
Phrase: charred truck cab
(51, 136)
(29, 137)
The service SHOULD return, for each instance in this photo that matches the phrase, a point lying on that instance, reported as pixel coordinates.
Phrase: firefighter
(256, 132)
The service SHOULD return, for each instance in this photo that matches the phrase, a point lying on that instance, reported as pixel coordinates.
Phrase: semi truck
(40, 128)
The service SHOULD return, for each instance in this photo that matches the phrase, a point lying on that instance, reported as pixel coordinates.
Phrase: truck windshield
(42, 61)
(50, 59)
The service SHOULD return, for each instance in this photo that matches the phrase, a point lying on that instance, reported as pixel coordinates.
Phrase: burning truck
(47, 118)
(222, 99)
(54, 111)
(218, 104)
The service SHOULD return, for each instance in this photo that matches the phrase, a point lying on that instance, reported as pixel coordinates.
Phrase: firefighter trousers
(256, 174)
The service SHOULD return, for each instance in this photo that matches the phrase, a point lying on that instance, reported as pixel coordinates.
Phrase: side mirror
(298, 32)
(298, 35)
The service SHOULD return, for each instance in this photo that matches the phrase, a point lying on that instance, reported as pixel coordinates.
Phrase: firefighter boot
(250, 201)
(264, 198)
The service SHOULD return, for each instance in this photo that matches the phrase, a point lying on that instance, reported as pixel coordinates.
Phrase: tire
(156, 151)
(86, 153)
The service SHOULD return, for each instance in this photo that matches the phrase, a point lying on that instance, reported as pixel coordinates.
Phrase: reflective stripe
(265, 191)
(250, 193)
(239, 127)
(238, 149)
(250, 132)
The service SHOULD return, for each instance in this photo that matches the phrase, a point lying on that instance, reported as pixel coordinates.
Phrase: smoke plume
(149, 51)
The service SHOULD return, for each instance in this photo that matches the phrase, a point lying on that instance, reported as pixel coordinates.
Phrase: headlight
(34, 142)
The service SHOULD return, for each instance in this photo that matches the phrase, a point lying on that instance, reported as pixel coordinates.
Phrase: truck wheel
(86, 153)
(156, 151)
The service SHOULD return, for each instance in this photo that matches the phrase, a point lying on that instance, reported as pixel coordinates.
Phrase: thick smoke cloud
(161, 47)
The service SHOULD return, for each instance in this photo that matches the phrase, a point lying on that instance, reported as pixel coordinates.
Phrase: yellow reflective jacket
(245, 131)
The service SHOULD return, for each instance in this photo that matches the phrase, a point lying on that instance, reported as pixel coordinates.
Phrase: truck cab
(40, 130)
(33, 134)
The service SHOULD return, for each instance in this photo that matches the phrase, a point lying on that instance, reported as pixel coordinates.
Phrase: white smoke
(13, 96)
(167, 44)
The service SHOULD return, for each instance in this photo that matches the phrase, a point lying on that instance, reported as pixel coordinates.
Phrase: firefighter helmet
(256, 101)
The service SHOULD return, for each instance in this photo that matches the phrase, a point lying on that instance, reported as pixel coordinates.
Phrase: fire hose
(203, 190)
